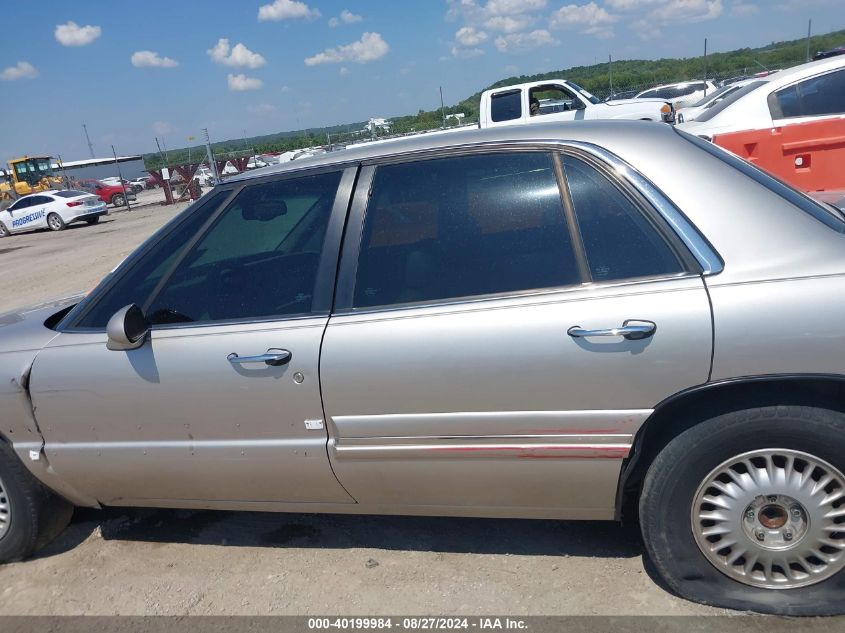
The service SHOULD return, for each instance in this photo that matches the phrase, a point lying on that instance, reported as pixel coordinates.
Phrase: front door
(192, 414)
(505, 338)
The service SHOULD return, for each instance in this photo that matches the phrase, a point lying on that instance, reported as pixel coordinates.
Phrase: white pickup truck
(561, 100)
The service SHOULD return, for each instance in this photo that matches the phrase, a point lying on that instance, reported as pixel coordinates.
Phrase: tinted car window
(816, 96)
(506, 106)
(259, 259)
(463, 226)
(620, 242)
(22, 204)
(137, 283)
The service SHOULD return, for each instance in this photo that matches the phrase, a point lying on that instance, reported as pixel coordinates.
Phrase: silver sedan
(603, 320)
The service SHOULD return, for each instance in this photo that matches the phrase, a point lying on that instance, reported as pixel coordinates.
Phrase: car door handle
(273, 357)
(631, 330)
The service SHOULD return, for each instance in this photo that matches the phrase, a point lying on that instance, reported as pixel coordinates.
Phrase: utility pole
(809, 28)
(610, 73)
(122, 184)
(705, 66)
(442, 107)
(90, 146)
(211, 164)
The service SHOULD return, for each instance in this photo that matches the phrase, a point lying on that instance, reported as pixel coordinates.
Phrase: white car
(681, 94)
(51, 209)
(689, 113)
(809, 92)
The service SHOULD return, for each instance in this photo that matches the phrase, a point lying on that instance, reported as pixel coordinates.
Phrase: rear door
(475, 362)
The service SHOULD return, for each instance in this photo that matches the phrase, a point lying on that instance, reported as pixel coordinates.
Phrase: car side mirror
(127, 329)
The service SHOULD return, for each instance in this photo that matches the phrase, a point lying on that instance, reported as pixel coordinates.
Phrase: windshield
(589, 97)
(70, 193)
(42, 166)
(731, 98)
(713, 95)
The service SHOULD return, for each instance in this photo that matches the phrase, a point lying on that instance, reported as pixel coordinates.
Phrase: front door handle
(273, 357)
(633, 330)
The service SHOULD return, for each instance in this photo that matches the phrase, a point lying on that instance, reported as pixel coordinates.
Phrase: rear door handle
(632, 329)
(273, 357)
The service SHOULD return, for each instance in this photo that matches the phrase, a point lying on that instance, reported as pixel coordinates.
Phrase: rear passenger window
(464, 226)
(816, 96)
(620, 242)
(506, 106)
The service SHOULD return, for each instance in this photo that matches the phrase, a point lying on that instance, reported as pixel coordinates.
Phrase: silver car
(602, 320)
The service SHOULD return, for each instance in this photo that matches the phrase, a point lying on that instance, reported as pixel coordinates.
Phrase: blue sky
(133, 71)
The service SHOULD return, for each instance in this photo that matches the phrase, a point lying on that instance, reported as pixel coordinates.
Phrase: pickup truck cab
(562, 100)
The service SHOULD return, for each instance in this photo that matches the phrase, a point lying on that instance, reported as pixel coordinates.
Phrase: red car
(110, 194)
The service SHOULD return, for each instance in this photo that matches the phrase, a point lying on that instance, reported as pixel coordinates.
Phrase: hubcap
(772, 518)
(5, 511)
(54, 222)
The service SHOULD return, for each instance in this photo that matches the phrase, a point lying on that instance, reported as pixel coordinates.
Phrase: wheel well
(675, 415)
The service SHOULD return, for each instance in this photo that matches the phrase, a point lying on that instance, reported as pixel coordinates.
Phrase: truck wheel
(4, 232)
(747, 511)
(117, 200)
(30, 515)
(55, 222)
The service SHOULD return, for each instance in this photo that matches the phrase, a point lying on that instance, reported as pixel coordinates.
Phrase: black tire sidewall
(675, 476)
(20, 539)
(61, 222)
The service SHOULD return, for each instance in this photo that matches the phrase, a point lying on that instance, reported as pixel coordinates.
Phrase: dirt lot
(180, 562)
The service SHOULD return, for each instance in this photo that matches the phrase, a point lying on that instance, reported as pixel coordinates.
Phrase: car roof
(796, 73)
(608, 133)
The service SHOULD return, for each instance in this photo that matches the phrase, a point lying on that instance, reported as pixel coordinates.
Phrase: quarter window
(463, 226)
(620, 242)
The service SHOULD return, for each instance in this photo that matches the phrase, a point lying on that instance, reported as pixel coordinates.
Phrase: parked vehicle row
(559, 325)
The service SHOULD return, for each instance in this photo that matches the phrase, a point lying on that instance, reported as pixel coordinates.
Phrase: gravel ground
(185, 562)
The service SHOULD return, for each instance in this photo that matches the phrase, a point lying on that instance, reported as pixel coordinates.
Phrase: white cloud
(523, 42)
(286, 10)
(466, 53)
(647, 17)
(21, 70)
(162, 128)
(344, 71)
(71, 34)
(151, 59)
(346, 17)
(240, 83)
(514, 7)
(509, 23)
(369, 48)
(239, 56)
(589, 18)
(468, 36)
(261, 108)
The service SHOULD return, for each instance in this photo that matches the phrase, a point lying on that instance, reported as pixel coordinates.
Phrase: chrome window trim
(704, 254)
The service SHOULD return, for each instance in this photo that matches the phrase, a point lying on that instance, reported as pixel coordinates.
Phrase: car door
(504, 324)
(222, 403)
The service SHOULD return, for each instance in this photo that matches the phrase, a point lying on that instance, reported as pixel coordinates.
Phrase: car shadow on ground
(429, 534)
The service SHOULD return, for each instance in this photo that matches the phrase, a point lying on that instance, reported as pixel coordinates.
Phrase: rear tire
(55, 222)
(32, 515)
(92, 220)
(746, 481)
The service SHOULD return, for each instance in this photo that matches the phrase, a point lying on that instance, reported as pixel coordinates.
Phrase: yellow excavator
(29, 174)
